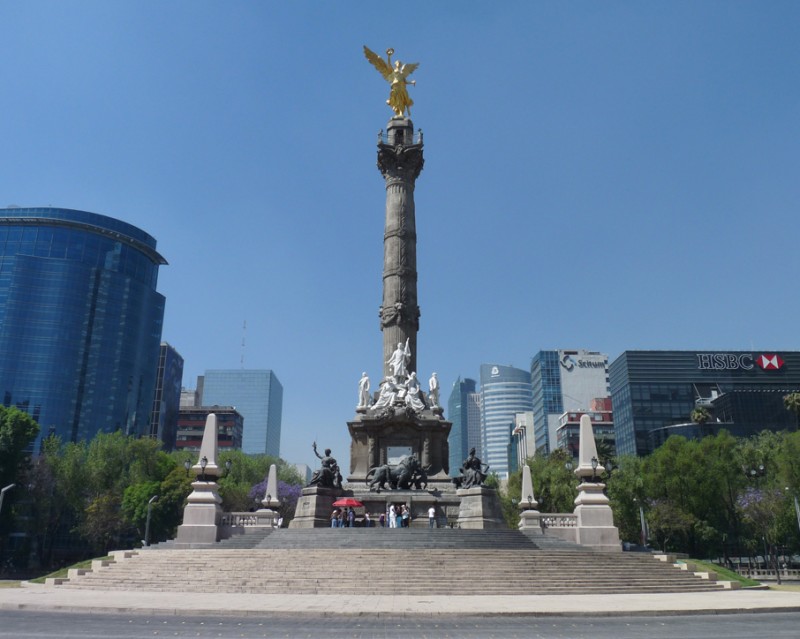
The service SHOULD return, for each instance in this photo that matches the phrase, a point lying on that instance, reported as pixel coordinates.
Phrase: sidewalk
(57, 598)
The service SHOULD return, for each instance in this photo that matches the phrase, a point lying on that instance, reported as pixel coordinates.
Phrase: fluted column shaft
(400, 161)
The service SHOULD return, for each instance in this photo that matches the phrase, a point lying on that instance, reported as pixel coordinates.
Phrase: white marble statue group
(399, 387)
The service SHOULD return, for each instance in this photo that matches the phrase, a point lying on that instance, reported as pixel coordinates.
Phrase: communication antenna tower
(244, 334)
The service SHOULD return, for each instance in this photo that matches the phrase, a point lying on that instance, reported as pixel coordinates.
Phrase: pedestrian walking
(431, 517)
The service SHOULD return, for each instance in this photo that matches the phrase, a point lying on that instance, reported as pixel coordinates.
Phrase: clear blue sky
(609, 176)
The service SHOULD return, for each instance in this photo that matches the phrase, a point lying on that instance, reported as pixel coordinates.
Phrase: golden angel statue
(396, 76)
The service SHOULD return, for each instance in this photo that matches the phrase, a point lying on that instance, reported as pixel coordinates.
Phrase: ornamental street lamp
(3, 494)
(187, 465)
(203, 464)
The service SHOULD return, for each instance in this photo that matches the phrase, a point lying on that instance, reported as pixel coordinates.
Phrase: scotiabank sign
(738, 361)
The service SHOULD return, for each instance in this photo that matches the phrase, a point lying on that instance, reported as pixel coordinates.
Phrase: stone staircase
(377, 561)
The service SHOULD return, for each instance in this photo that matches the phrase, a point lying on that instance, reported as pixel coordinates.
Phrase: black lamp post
(203, 464)
(228, 464)
(187, 465)
(3, 494)
(594, 469)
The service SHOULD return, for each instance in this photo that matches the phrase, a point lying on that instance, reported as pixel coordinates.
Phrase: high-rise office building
(167, 399)
(569, 429)
(653, 394)
(458, 412)
(192, 426)
(258, 396)
(80, 321)
(504, 391)
(564, 381)
(523, 437)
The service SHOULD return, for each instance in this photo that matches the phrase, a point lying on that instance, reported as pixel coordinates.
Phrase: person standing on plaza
(431, 517)
(392, 517)
(334, 518)
(351, 518)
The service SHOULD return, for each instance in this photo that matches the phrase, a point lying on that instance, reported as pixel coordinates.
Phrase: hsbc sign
(738, 361)
(770, 362)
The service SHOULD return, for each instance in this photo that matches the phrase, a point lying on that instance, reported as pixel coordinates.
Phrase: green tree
(626, 495)
(669, 524)
(792, 403)
(700, 415)
(554, 485)
(17, 431)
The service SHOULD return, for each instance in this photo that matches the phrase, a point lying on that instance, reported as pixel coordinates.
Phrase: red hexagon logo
(770, 361)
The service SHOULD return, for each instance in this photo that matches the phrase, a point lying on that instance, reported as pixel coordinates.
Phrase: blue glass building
(167, 399)
(80, 320)
(458, 412)
(258, 396)
(504, 391)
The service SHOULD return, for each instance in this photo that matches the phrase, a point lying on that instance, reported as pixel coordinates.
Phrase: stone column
(400, 161)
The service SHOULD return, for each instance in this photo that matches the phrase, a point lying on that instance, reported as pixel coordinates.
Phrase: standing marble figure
(363, 391)
(398, 362)
(433, 391)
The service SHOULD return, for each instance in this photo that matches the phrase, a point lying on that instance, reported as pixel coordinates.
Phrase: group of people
(397, 516)
(394, 517)
(343, 518)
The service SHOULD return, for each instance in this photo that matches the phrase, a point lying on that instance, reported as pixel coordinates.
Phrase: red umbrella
(348, 502)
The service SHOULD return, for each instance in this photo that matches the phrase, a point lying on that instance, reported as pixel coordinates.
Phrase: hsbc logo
(770, 362)
(738, 361)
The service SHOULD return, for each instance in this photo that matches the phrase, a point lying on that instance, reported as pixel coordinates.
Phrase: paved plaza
(55, 598)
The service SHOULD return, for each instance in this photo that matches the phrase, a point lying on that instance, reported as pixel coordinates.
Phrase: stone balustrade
(259, 519)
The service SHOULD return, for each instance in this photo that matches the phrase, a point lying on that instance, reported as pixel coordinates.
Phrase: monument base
(314, 507)
(201, 516)
(595, 519)
(480, 508)
(530, 521)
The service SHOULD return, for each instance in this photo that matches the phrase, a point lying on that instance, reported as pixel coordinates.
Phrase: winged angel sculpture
(396, 76)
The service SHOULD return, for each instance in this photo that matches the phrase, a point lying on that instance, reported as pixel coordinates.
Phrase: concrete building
(80, 321)
(167, 398)
(258, 396)
(564, 380)
(505, 391)
(525, 443)
(192, 423)
(569, 428)
(654, 393)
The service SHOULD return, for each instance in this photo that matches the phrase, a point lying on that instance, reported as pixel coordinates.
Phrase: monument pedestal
(595, 519)
(202, 515)
(314, 507)
(530, 521)
(479, 508)
(382, 437)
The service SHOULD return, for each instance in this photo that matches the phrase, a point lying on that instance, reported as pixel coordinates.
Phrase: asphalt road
(35, 625)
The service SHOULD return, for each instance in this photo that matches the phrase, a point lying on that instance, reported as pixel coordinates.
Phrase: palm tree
(792, 403)
(700, 415)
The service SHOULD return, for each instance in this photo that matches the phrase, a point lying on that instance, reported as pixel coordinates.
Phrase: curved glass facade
(80, 320)
(504, 391)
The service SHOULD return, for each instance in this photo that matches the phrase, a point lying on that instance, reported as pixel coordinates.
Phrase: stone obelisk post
(400, 161)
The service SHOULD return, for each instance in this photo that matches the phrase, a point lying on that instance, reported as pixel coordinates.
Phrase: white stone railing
(248, 520)
(559, 520)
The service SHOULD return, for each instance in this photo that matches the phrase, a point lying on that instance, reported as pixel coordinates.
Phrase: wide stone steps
(378, 571)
